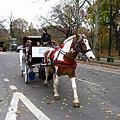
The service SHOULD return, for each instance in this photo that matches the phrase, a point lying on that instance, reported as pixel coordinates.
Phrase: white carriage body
(38, 52)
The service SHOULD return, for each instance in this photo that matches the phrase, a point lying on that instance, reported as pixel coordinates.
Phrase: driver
(46, 38)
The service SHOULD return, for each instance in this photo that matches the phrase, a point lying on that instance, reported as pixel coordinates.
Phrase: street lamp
(110, 30)
(110, 33)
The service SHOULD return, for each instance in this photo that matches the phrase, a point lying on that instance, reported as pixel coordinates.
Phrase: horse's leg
(46, 75)
(54, 76)
(55, 85)
(74, 87)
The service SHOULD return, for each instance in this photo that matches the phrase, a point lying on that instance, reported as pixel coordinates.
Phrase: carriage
(32, 57)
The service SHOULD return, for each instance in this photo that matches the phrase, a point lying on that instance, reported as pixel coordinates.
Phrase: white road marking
(5, 79)
(88, 82)
(13, 87)
(11, 115)
(40, 115)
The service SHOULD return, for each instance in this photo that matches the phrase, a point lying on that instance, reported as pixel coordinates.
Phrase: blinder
(79, 48)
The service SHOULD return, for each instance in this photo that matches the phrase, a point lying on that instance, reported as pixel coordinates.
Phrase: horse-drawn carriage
(31, 57)
(62, 60)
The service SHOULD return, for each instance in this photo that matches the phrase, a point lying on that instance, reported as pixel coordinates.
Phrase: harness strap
(64, 64)
(87, 51)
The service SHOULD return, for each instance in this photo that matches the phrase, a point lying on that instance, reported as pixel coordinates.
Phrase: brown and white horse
(64, 63)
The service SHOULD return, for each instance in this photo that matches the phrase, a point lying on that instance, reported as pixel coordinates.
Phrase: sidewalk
(104, 61)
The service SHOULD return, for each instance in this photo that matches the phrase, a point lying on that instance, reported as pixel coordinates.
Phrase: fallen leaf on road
(64, 99)
(89, 98)
(35, 86)
(39, 107)
(14, 77)
(68, 116)
(107, 117)
(102, 103)
(22, 105)
(81, 106)
(109, 111)
(26, 116)
(70, 110)
(27, 110)
(118, 119)
(48, 103)
(18, 112)
(118, 115)
(66, 104)
(53, 101)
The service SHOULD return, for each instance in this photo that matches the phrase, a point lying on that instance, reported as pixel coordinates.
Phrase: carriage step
(41, 64)
(45, 64)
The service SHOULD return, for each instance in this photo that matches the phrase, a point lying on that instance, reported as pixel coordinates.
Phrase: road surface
(98, 90)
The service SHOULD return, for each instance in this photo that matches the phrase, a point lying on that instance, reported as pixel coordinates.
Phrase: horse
(63, 62)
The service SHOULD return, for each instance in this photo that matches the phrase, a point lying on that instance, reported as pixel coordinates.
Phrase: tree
(11, 18)
(104, 21)
(93, 12)
(19, 26)
(64, 18)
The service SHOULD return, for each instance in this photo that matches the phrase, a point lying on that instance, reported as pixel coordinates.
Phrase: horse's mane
(69, 38)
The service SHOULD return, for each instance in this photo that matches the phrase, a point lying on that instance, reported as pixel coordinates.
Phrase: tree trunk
(77, 14)
(119, 48)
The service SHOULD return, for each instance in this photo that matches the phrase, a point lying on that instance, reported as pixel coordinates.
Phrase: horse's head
(82, 45)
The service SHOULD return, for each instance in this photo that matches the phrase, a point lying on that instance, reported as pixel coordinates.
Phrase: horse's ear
(77, 36)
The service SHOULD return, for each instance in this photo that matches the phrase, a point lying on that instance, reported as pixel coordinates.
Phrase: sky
(25, 9)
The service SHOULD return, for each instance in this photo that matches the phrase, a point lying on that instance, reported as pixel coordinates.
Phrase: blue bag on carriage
(31, 76)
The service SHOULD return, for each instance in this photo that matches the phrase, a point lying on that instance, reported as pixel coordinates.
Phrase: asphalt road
(98, 90)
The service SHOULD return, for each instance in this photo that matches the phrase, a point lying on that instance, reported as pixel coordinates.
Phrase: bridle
(79, 48)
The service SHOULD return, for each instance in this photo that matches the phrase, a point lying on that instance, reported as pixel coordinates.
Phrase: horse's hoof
(76, 105)
(45, 84)
(57, 97)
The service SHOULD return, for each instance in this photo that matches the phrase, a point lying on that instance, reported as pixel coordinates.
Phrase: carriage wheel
(22, 73)
(26, 74)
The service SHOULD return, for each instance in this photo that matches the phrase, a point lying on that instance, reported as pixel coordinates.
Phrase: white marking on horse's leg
(74, 87)
(46, 75)
(56, 83)
(54, 76)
